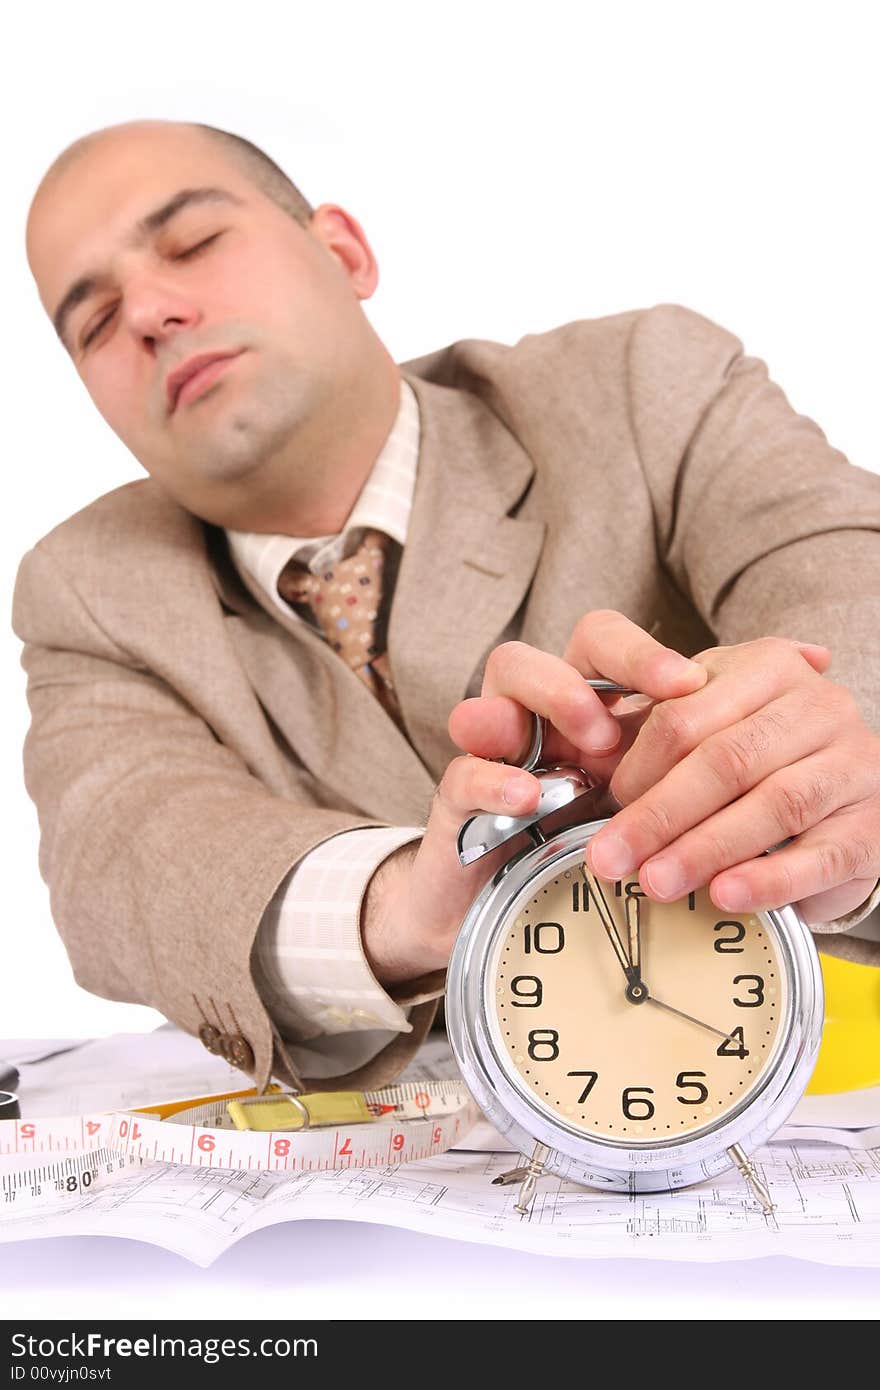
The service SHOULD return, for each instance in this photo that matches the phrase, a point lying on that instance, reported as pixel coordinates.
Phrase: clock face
(645, 1056)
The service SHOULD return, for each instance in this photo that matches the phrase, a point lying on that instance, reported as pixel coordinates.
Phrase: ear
(344, 238)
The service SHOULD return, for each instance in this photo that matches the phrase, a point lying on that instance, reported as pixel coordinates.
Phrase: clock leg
(747, 1168)
(533, 1170)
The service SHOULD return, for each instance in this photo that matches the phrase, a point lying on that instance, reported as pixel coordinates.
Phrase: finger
(722, 770)
(473, 785)
(607, 643)
(495, 726)
(841, 849)
(551, 687)
(835, 902)
(819, 657)
(791, 803)
(746, 679)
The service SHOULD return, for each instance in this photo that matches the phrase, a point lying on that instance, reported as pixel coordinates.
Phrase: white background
(514, 167)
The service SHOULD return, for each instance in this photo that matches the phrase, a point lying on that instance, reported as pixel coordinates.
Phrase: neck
(295, 502)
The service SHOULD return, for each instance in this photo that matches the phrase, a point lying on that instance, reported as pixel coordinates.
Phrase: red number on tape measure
(397, 1142)
(27, 1131)
(282, 1148)
(206, 1143)
(436, 1134)
(93, 1126)
(346, 1148)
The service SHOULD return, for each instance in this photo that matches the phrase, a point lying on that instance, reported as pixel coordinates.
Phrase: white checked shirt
(309, 963)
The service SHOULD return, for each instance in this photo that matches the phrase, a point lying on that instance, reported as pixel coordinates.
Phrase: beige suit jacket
(188, 745)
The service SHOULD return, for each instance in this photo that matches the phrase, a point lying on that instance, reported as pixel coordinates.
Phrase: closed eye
(183, 256)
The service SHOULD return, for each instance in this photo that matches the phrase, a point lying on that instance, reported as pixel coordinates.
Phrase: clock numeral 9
(547, 1038)
(757, 990)
(683, 1083)
(728, 944)
(530, 997)
(630, 1099)
(547, 937)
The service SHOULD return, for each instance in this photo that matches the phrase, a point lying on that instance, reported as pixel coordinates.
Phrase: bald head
(154, 243)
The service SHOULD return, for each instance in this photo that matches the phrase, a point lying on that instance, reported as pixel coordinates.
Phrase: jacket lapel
(466, 566)
(465, 569)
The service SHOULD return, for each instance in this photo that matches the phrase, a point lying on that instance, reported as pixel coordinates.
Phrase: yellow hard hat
(849, 1057)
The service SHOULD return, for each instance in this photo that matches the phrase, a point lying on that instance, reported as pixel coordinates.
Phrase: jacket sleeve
(763, 526)
(160, 849)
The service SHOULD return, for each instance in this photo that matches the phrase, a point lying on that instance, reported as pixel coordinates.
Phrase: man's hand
(748, 746)
(417, 900)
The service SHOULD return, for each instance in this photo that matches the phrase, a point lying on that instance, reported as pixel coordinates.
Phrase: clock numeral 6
(683, 1083)
(545, 1038)
(528, 990)
(546, 937)
(630, 1099)
(757, 990)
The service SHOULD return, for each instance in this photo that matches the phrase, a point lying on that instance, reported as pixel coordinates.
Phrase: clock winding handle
(536, 750)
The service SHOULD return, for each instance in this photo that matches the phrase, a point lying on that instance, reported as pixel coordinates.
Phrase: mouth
(194, 376)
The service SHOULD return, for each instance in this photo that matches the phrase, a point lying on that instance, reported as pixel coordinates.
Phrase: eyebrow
(145, 228)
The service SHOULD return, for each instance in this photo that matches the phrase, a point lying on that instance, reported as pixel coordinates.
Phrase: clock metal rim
(652, 1165)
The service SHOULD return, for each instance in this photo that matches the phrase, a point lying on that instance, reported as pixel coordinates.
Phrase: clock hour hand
(605, 915)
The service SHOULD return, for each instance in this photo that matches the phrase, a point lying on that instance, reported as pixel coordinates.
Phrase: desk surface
(318, 1269)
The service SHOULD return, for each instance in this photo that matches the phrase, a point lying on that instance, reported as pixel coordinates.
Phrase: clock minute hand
(633, 910)
(608, 921)
(690, 1018)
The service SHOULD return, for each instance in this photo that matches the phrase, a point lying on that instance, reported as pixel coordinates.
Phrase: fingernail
(674, 666)
(603, 738)
(518, 791)
(733, 895)
(665, 878)
(611, 856)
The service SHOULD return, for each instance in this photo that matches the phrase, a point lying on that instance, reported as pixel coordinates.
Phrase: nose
(154, 311)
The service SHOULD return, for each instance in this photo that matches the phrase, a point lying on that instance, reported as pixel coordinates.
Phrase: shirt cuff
(309, 963)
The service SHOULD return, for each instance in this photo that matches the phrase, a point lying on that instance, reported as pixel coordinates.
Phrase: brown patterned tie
(347, 601)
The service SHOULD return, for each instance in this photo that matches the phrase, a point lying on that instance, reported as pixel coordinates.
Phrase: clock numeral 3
(544, 1038)
(531, 996)
(548, 938)
(757, 990)
(630, 1099)
(683, 1083)
(727, 1048)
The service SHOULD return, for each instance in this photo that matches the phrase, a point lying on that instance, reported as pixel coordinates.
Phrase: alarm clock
(618, 1042)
